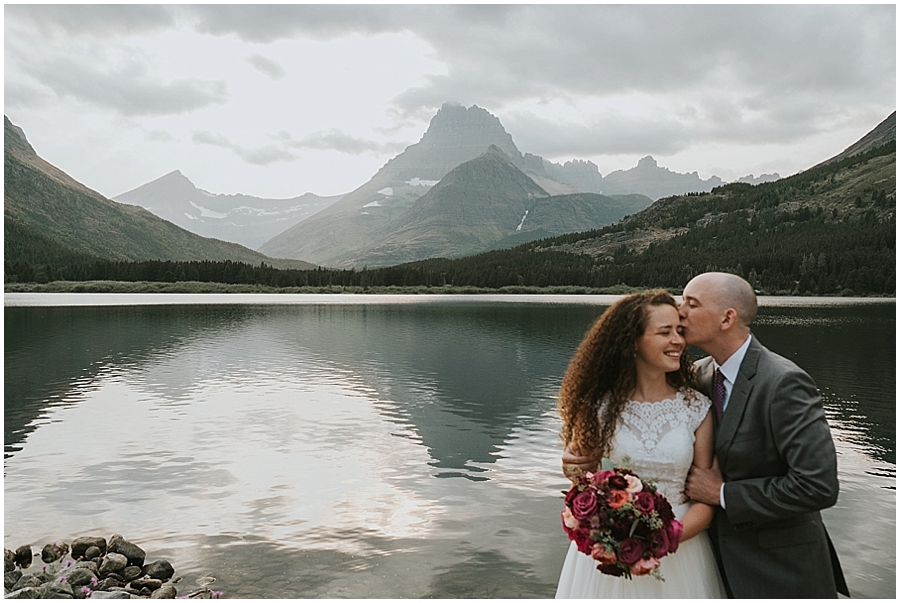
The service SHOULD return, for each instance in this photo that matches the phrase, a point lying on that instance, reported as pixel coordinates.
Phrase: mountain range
(50, 218)
(395, 217)
(243, 219)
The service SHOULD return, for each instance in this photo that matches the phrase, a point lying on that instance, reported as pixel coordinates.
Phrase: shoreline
(203, 287)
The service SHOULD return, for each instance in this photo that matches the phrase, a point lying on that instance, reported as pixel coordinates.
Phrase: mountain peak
(455, 135)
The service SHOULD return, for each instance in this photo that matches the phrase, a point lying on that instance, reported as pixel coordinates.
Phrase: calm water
(328, 446)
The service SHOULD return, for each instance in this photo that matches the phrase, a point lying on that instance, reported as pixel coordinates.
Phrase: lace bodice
(658, 438)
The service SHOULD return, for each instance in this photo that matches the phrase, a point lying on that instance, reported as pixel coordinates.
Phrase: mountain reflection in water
(292, 450)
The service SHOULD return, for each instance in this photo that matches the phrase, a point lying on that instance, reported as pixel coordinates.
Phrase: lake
(366, 446)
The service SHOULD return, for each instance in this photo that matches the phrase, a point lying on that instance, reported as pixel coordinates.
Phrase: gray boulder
(113, 563)
(112, 594)
(26, 581)
(11, 577)
(165, 592)
(131, 572)
(23, 556)
(135, 554)
(146, 582)
(93, 552)
(54, 552)
(79, 576)
(81, 545)
(161, 570)
(30, 592)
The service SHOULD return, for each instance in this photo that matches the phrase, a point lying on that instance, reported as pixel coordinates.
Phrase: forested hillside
(827, 231)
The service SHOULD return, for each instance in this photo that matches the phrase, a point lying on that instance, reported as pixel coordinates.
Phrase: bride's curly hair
(603, 373)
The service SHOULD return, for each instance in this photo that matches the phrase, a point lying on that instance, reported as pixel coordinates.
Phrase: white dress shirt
(730, 369)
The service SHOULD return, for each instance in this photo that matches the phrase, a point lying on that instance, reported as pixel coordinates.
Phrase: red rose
(643, 502)
(673, 533)
(630, 551)
(659, 543)
(584, 504)
(582, 539)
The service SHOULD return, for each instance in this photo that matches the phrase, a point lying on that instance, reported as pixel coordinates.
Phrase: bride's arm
(700, 515)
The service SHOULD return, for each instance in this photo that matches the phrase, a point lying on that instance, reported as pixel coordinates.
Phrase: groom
(776, 461)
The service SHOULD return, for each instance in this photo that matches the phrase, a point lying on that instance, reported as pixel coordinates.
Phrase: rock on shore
(96, 569)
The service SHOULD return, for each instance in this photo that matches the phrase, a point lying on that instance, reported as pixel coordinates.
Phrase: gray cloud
(335, 140)
(267, 66)
(127, 90)
(613, 135)
(158, 136)
(101, 20)
(260, 156)
(744, 65)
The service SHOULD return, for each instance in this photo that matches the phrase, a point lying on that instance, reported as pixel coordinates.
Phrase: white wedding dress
(658, 438)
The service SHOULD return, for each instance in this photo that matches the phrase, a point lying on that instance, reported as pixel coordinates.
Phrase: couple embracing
(737, 442)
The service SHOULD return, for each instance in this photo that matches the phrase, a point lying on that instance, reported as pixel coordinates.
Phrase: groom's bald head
(729, 291)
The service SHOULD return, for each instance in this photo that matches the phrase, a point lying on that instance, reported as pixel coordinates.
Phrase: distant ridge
(242, 219)
(51, 217)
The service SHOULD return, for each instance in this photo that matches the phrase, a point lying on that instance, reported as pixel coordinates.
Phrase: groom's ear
(729, 319)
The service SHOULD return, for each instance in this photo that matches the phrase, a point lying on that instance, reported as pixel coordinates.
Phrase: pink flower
(618, 498)
(600, 478)
(603, 554)
(673, 533)
(644, 566)
(584, 503)
(643, 502)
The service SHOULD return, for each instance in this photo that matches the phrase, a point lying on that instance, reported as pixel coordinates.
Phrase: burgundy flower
(644, 502)
(617, 482)
(630, 550)
(663, 508)
(612, 570)
(572, 493)
(584, 504)
(659, 543)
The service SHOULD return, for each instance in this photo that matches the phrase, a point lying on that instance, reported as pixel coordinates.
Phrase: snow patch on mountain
(208, 213)
(420, 182)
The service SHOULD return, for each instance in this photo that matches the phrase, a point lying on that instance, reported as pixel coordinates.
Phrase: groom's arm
(803, 441)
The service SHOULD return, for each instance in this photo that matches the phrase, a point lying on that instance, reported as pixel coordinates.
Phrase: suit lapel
(737, 402)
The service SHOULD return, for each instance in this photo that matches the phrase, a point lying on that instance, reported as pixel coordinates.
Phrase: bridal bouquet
(621, 521)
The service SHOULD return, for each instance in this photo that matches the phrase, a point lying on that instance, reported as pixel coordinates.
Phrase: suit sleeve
(805, 479)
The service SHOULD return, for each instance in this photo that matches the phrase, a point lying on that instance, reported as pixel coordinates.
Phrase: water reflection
(292, 450)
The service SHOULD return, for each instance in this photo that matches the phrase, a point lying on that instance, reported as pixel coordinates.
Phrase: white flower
(634, 484)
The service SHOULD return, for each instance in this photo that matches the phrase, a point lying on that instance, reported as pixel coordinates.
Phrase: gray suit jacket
(778, 460)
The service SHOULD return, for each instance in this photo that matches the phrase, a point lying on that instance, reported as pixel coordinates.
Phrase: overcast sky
(279, 100)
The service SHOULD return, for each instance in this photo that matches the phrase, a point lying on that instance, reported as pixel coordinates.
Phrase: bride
(626, 396)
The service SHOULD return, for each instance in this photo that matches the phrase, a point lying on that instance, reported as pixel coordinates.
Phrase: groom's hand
(703, 485)
(574, 463)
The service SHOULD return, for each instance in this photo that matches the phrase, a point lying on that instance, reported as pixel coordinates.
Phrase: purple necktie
(718, 397)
